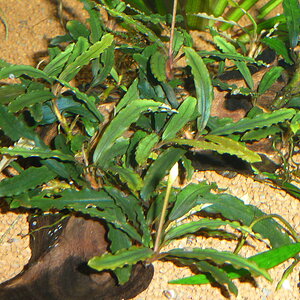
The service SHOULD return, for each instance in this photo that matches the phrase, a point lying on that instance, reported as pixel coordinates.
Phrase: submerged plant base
(58, 267)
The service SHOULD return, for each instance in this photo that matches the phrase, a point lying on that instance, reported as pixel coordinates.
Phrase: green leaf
(158, 66)
(218, 274)
(145, 147)
(219, 257)
(57, 64)
(88, 100)
(260, 133)
(14, 127)
(131, 94)
(193, 227)
(77, 29)
(186, 199)
(179, 119)
(93, 52)
(266, 260)
(13, 71)
(10, 92)
(159, 169)
(42, 153)
(28, 179)
(121, 258)
(241, 65)
(80, 47)
(269, 79)
(94, 20)
(221, 145)
(233, 208)
(119, 125)
(292, 13)
(29, 99)
(128, 176)
(259, 121)
(203, 85)
(279, 47)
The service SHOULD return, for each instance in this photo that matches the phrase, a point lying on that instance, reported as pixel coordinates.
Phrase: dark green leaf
(269, 79)
(292, 13)
(203, 85)
(27, 180)
(159, 169)
(145, 147)
(10, 92)
(77, 29)
(158, 66)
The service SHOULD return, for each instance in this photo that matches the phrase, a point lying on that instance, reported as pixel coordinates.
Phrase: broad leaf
(77, 29)
(11, 92)
(269, 79)
(158, 66)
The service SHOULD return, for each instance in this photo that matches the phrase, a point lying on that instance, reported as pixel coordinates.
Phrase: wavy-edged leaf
(193, 227)
(219, 257)
(94, 20)
(218, 274)
(121, 258)
(120, 124)
(28, 179)
(29, 99)
(221, 145)
(269, 79)
(145, 147)
(131, 94)
(266, 260)
(158, 66)
(159, 169)
(234, 209)
(13, 71)
(186, 199)
(259, 121)
(80, 47)
(291, 11)
(57, 64)
(179, 119)
(42, 153)
(203, 85)
(93, 52)
(10, 92)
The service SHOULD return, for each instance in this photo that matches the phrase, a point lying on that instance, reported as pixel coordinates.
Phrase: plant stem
(171, 178)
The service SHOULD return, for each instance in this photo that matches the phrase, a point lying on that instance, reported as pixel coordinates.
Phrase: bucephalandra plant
(113, 168)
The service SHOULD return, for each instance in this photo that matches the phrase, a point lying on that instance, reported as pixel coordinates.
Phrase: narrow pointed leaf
(121, 258)
(269, 79)
(93, 52)
(219, 257)
(291, 10)
(10, 92)
(203, 85)
(131, 94)
(259, 121)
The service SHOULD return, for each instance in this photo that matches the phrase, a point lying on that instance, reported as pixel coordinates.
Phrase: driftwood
(58, 267)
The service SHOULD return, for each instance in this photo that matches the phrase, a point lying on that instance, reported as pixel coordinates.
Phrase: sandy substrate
(29, 32)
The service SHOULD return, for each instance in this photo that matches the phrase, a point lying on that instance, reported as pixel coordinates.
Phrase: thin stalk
(288, 226)
(172, 176)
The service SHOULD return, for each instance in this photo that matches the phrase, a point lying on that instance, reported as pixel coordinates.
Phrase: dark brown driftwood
(58, 267)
